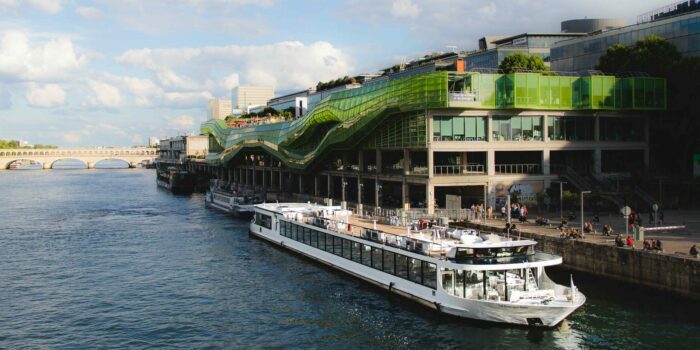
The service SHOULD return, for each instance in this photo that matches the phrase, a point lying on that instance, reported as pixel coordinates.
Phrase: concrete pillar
(596, 128)
(379, 161)
(545, 128)
(597, 161)
(491, 162)
(280, 179)
(343, 186)
(405, 201)
(377, 189)
(430, 163)
(361, 161)
(329, 185)
(264, 178)
(489, 128)
(546, 162)
(430, 198)
(301, 184)
(46, 165)
(315, 185)
(91, 165)
(406, 161)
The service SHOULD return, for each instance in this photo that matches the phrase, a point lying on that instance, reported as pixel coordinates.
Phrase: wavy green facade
(345, 118)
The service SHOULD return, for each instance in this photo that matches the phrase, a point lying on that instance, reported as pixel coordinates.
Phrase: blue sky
(114, 72)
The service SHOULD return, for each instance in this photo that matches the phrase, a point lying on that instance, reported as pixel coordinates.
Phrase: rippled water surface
(103, 258)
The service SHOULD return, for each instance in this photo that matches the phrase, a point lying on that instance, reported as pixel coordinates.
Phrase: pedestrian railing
(518, 169)
(468, 169)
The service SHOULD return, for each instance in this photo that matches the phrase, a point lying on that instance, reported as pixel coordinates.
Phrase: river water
(105, 259)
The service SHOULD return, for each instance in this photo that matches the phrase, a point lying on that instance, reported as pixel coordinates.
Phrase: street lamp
(561, 199)
(582, 193)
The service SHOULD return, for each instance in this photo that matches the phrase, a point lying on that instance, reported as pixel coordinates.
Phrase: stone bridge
(90, 156)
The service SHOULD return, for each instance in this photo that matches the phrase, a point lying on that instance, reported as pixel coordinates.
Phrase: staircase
(589, 183)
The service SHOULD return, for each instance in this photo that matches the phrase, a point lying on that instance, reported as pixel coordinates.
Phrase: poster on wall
(696, 165)
(526, 191)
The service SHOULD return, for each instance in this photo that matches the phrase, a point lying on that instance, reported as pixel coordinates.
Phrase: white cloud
(105, 94)
(50, 95)
(183, 123)
(71, 137)
(285, 65)
(488, 9)
(27, 57)
(90, 13)
(48, 6)
(5, 98)
(404, 8)
(7, 5)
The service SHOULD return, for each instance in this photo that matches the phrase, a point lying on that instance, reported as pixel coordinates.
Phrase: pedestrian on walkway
(630, 242)
(694, 251)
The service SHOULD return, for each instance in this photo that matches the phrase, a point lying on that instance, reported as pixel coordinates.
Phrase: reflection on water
(94, 259)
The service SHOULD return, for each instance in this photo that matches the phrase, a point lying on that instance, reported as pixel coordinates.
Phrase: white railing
(468, 169)
(518, 169)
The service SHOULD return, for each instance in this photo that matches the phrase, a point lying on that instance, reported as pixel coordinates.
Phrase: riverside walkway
(672, 270)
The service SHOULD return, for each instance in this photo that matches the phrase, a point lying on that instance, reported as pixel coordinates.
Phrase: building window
(458, 128)
(570, 128)
(517, 128)
(622, 129)
(263, 220)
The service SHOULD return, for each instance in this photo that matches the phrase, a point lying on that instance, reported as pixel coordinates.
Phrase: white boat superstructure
(460, 272)
(231, 201)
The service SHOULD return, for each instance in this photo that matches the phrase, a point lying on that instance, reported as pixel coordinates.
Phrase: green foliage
(268, 110)
(519, 61)
(676, 135)
(335, 83)
(5, 144)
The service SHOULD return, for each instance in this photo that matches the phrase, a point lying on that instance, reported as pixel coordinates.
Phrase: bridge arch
(7, 165)
(69, 159)
(121, 160)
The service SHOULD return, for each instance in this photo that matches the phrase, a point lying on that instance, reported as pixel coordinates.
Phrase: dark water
(104, 259)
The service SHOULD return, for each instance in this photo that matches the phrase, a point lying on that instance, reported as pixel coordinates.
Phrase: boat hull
(437, 299)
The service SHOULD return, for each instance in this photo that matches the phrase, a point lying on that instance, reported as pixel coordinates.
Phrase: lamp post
(359, 197)
(582, 193)
(561, 199)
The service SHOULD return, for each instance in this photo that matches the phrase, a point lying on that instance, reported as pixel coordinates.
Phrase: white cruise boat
(230, 201)
(455, 271)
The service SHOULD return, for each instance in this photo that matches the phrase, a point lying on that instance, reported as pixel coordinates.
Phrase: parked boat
(176, 180)
(455, 271)
(232, 201)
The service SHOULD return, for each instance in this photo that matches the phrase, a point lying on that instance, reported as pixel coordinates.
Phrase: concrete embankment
(662, 271)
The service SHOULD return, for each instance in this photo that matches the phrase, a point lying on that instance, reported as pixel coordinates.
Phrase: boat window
(389, 262)
(448, 281)
(429, 275)
(377, 258)
(295, 232)
(306, 235)
(357, 252)
(366, 255)
(415, 271)
(313, 238)
(323, 241)
(263, 220)
(464, 253)
(401, 266)
(283, 229)
(347, 251)
(337, 246)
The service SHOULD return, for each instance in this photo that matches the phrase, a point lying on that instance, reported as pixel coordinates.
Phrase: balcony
(454, 170)
(518, 169)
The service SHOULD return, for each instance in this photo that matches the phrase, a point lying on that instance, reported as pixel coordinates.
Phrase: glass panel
(430, 275)
(337, 245)
(527, 128)
(446, 128)
(347, 250)
(415, 270)
(313, 237)
(401, 266)
(389, 262)
(356, 251)
(366, 255)
(516, 128)
(448, 281)
(458, 128)
(377, 258)
(537, 134)
(481, 128)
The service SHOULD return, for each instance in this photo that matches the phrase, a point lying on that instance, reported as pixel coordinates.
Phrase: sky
(114, 72)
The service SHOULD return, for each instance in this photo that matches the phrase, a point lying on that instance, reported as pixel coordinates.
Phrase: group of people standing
(517, 211)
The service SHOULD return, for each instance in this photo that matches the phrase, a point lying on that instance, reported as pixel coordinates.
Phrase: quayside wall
(670, 273)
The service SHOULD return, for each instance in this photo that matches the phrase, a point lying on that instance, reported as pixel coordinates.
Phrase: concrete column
(430, 198)
(379, 161)
(342, 188)
(405, 201)
(280, 179)
(491, 162)
(315, 185)
(596, 128)
(546, 162)
(406, 161)
(361, 161)
(545, 128)
(264, 178)
(598, 161)
(301, 184)
(376, 192)
(359, 190)
(489, 128)
(430, 163)
(329, 185)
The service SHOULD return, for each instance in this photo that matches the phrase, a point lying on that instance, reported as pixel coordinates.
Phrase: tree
(519, 61)
(674, 137)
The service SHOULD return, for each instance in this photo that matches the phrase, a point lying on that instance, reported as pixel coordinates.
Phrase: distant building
(153, 141)
(179, 148)
(493, 49)
(244, 96)
(678, 23)
(219, 108)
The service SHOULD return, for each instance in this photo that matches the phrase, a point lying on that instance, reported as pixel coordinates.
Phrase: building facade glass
(458, 128)
(517, 128)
